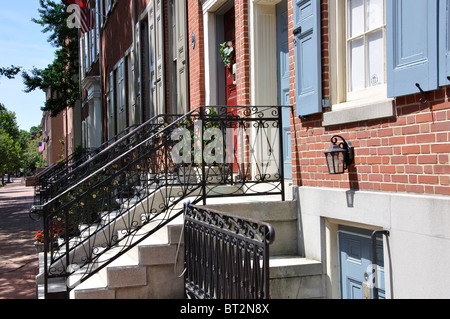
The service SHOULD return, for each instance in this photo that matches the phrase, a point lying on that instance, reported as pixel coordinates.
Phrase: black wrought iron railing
(53, 173)
(66, 176)
(226, 257)
(140, 187)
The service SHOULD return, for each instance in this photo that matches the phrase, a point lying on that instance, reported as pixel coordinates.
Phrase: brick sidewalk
(18, 258)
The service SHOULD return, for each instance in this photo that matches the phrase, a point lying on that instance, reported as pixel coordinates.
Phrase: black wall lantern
(340, 156)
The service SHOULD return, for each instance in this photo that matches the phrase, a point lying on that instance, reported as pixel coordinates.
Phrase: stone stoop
(154, 268)
(294, 277)
(291, 275)
(148, 271)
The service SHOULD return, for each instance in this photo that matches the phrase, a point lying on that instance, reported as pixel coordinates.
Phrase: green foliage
(10, 159)
(8, 122)
(10, 72)
(61, 77)
(32, 159)
(227, 52)
(10, 148)
(18, 148)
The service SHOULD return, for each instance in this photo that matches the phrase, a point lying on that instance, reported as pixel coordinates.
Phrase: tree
(32, 158)
(10, 145)
(61, 77)
(10, 72)
(8, 123)
(11, 155)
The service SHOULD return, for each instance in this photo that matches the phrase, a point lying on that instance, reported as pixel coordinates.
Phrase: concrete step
(157, 259)
(56, 289)
(129, 271)
(281, 215)
(294, 277)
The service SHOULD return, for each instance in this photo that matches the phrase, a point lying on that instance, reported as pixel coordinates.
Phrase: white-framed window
(358, 62)
(82, 61)
(358, 50)
(97, 15)
(86, 52)
(365, 47)
(111, 106)
(92, 46)
(120, 83)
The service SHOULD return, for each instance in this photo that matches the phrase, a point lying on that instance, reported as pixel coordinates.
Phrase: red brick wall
(242, 52)
(117, 37)
(406, 153)
(196, 55)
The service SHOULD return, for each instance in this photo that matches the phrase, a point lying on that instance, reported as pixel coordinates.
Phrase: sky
(23, 44)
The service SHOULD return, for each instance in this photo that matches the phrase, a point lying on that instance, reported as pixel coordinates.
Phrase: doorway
(355, 258)
(229, 30)
(283, 84)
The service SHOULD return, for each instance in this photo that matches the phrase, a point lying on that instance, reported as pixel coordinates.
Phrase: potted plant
(227, 53)
(39, 241)
(39, 237)
(216, 170)
(186, 172)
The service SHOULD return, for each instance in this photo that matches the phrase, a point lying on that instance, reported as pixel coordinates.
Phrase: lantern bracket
(343, 147)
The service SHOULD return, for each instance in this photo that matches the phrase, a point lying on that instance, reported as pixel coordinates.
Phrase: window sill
(357, 111)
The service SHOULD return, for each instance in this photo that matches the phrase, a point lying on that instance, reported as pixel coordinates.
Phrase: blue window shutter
(411, 41)
(308, 56)
(444, 42)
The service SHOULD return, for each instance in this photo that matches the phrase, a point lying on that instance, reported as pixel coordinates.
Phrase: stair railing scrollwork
(136, 189)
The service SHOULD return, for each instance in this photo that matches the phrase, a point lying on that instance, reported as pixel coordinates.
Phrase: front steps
(148, 271)
(153, 269)
(291, 276)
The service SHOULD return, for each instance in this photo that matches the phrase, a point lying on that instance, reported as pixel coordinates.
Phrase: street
(18, 258)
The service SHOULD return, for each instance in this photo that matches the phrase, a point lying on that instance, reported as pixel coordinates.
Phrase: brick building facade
(339, 65)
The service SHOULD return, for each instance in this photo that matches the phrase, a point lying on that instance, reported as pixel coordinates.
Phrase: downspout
(375, 259)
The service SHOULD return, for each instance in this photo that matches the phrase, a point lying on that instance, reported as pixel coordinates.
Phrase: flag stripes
(84, 17)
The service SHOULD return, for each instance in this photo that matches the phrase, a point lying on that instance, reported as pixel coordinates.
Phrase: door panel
(355, 253)
(283, 83)
(159, 48)
(229, 33)
(121, 94)
(181, 46)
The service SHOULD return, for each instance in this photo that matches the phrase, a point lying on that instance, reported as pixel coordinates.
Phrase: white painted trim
(209, 21)
(362, 110)
(263, 52)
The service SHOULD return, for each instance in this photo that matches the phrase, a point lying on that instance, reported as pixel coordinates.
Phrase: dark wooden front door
(229, 33)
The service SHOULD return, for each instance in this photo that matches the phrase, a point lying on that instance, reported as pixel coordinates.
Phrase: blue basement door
(355, 253)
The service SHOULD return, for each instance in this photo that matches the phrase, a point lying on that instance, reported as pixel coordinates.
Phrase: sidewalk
(18, 258)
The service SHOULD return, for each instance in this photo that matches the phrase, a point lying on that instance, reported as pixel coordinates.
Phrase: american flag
(41, 147)
(84, 17)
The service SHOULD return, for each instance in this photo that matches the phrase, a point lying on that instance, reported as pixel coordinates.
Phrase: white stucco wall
(416, 254)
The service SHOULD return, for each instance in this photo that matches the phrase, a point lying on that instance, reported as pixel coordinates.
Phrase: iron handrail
(65, 163)
(110, 189)
(97, 158)
(60, 169)
(226, 256)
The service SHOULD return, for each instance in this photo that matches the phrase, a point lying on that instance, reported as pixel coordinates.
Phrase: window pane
(375, 17)
(375, 58)
(356, 17)
(357, 65)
